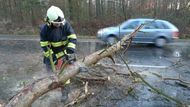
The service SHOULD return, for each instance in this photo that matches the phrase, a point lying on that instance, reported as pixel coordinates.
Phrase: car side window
(151, 25)
(160, 25)
(164, 25)
(154, 25)
(131, 25)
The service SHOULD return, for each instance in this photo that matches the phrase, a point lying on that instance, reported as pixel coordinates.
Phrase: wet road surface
(143, 55)
(170, 61)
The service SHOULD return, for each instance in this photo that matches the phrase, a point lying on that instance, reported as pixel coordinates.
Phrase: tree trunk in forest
(124, 9)
(30, 93)
(98, 9)
(10, 9)
(90, 13)
(70, 9)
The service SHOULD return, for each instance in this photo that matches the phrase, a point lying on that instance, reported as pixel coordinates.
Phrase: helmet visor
(59, 20)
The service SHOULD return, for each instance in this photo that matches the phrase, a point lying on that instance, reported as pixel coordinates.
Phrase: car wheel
(160, 42)
(111, 40)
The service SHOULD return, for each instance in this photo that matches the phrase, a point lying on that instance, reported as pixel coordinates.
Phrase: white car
(158, 32)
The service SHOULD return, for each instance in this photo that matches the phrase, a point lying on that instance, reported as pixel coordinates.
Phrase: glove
(64, 58)
(46, 60)
(71, 58)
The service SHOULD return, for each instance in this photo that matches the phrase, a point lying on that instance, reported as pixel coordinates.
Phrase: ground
(21, 64)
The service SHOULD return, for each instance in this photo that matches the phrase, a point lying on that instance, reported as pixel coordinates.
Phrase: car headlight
(100, 32)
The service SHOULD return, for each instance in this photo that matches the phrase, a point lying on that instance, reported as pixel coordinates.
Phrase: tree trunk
(33, 91)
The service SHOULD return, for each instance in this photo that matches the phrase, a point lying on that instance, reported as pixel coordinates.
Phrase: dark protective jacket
(60, 41)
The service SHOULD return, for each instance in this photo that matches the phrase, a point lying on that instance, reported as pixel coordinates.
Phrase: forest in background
(87, 16)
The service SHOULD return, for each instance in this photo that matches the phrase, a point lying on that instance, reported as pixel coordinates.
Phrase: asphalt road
(21, 62)
(138, 55)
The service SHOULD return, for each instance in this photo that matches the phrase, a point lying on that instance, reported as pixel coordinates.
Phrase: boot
(64, 92)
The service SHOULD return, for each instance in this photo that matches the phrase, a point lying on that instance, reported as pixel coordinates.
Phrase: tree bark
(33, 91)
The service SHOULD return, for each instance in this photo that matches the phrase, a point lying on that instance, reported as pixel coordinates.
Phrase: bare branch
(80, 98)
(177, 79)
(136, 75)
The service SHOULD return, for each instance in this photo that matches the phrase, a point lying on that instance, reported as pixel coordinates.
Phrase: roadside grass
(184, 36)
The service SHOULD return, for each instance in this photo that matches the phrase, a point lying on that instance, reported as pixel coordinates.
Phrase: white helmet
(55, 15)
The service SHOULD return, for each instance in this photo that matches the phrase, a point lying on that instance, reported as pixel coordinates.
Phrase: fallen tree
(38, 88)
(33, 91)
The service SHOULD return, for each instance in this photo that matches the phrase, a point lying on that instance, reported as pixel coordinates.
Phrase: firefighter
(58, 36)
